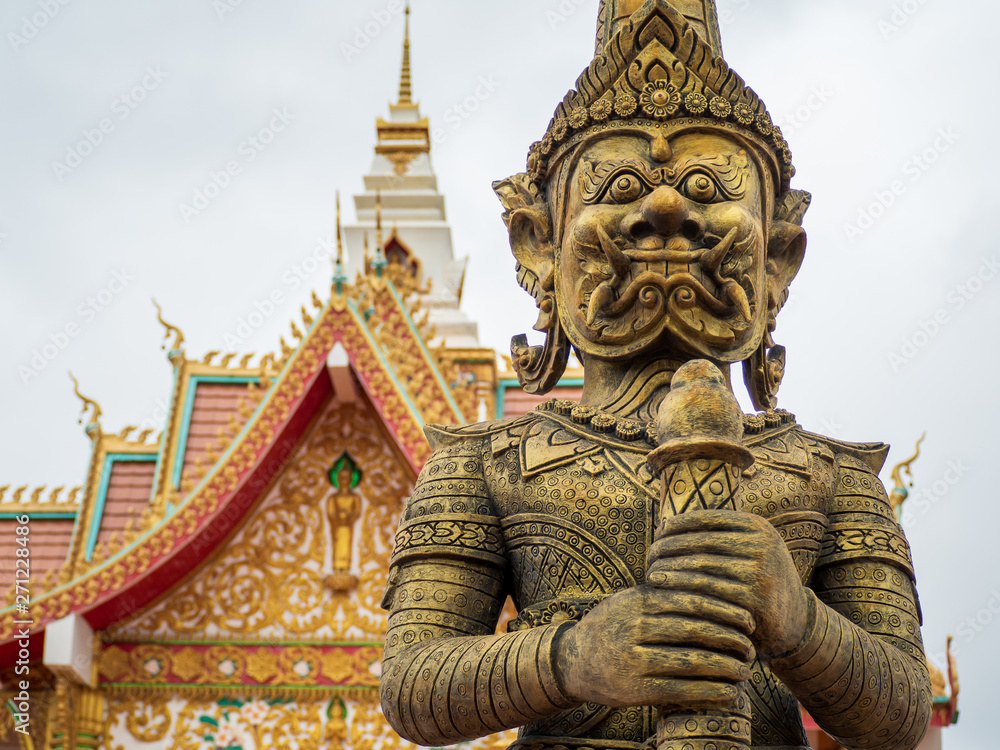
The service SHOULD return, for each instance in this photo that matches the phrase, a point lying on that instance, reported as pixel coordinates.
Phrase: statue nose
(665, 213)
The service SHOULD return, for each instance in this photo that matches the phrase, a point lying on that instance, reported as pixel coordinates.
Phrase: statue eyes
(701, 188)
(626, 185)
(626, 188)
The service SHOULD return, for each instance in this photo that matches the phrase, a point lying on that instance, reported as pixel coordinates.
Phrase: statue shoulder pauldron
(870, 456)
(789, 448)
(863, 525)
(440, 436)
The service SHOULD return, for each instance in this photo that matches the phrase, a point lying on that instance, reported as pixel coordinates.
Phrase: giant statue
(684, 575)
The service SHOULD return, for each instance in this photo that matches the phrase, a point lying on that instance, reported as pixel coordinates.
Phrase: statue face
(344, 478)
(663, 248)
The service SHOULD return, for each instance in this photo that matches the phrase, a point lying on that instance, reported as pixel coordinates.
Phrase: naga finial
(178, 341)
(900, 492)
(88, 403)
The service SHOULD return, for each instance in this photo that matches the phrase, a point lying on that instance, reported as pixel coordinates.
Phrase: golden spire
(405, 82)
(88, 403)
(340, 239)
(339, 277)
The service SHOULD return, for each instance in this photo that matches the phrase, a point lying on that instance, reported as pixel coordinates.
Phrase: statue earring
(539, 368)
(763, 373)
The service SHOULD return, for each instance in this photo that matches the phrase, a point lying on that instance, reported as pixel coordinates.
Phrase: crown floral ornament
(660, 100)
(656, 69)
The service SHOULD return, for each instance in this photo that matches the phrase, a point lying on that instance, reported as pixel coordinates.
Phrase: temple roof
(150, 512)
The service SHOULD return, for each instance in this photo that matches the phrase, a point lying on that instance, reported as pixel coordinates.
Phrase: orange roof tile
(129, 488)
(214, 405)
(48, 543)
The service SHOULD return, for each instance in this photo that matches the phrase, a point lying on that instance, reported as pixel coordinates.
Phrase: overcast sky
(888, 106)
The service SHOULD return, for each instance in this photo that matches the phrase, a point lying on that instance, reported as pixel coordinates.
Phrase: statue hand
(649, 646)
(738, 558)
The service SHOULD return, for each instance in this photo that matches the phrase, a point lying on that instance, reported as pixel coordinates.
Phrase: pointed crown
(657, 66)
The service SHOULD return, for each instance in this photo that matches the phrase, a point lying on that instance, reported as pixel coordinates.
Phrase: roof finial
(405, 82)
(900, 492)
(88, 403)
(178, 342)
(339, 277)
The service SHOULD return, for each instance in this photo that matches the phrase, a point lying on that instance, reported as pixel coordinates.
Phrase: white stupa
(402, 188)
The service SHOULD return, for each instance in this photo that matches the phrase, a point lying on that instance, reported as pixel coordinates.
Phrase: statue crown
(661, 62)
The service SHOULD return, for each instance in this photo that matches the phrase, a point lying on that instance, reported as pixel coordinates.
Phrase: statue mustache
(683, 289)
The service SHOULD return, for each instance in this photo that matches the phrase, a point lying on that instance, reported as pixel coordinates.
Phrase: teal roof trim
(41, 516)
(102, 494)
(192, 388)
(163, 435)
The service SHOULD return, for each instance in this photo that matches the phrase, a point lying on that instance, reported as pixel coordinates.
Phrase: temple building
(218, 585)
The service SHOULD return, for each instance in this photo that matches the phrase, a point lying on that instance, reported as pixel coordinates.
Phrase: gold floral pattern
(244, 666)
(260, 588)
(625, 105)
(305, 722)
(601, 110)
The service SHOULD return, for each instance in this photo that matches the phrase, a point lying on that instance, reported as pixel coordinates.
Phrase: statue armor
(559, 515)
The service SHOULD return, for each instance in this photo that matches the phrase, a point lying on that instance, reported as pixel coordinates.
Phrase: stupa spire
(405, 80)
(701, 14)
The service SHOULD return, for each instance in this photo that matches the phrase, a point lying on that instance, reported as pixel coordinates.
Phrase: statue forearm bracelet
(862, 690)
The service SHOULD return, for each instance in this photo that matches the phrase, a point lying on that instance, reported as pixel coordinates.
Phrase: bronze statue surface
(684, 575)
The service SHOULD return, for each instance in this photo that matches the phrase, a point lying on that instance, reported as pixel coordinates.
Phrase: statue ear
(786, 249)
(786, 244)
(526, 214)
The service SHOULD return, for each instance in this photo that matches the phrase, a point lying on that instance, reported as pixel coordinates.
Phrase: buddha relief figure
(658, 233)
(343, 509)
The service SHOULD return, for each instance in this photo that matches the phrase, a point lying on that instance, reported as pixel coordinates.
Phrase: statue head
(655, 217)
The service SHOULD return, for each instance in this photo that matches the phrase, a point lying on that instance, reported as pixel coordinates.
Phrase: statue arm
(860, 670)
(445, 676)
